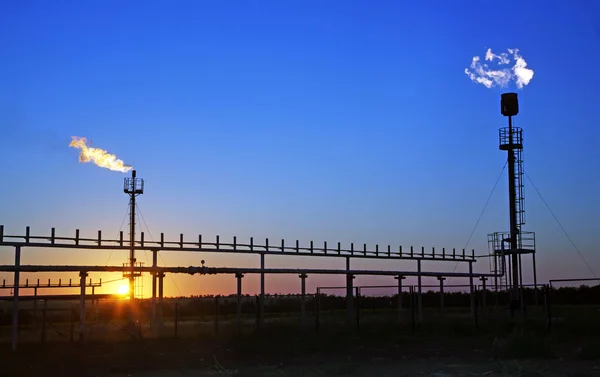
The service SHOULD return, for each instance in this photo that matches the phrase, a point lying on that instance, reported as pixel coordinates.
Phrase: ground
(370, 352)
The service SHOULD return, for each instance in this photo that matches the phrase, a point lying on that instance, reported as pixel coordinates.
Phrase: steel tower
(133, 187)
(519, 242)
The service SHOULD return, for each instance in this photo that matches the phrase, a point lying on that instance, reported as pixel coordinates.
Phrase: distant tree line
(282, 304)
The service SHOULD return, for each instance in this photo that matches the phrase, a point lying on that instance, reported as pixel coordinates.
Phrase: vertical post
(257, 304)
(261, 313)
(441, 280)
(318, 309)
(132, 209)
(82, 276)
(303, 302)
(548, 304)
(238, 318)
(483, 294)
(35, 309)
(357, 308)
(496, 280)
(521, 290)
(471, 290)
(72, 315)
(509, 107)
(161, 276)
(216, 315)
(349, 294)
(176, 319)
(44, 321)
(399, 278)
(419, 297)
(535, 288)
(154, 264)
(412, 307)
(15, 309)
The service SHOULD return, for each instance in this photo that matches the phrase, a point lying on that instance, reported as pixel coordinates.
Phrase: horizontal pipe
(570, 280)
(148, 246)
(63, 297)
(227, 270)
(94, 285)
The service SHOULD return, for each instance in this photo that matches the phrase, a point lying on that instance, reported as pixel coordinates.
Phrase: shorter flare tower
(133, 187)
(507, 248)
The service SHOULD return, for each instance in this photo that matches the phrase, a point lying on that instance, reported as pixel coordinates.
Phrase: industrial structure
(519, 243)
(507, 261)
(133, 187)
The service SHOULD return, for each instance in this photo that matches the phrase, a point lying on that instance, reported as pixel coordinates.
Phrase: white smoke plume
(503, 74)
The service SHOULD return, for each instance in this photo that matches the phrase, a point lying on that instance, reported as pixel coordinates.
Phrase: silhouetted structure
(519, 242)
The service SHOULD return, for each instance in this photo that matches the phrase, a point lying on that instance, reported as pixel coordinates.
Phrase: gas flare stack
(507, 248)
(133, 187)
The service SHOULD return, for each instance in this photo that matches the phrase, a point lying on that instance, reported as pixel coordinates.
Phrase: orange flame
(98, 156)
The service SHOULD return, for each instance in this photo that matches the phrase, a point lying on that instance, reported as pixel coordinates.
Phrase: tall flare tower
(133, 187)
(509, 247)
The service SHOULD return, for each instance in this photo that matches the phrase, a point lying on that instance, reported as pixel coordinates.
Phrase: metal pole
(132, 239)
(484, 293)
(161, 276)
(521, 290)
(412, 307)
(82, 276)
(154, 264)
(44, 321)
(239, 277)
(15, 311)
(303, 302)
(399, 278)
(441, 279)
(261, 314)
(216, 315)
(496, 279)
(471, 290)
(35, 309)
(349, 294)
(357, 307)
(318, 309)
(176, 319)
(514, 227)
(535, 289)
(419, 298)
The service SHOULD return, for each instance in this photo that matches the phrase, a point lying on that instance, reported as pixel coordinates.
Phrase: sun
(123, 289)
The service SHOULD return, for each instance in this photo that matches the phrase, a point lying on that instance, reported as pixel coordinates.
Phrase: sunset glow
(123, 289)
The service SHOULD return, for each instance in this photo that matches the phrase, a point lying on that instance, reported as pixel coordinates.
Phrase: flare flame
(98, 156)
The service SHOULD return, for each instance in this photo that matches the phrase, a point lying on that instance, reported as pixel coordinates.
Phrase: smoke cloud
(98, 156)
(502, 73)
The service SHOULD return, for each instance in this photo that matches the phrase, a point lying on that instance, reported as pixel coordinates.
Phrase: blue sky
(347, 121)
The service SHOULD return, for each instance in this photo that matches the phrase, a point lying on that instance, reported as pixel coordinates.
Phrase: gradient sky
(347, 121)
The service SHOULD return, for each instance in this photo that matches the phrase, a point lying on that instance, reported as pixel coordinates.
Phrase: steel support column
(400, 278)
(349, 295)
(441, 280)
(303, 301)
(238, 315)
(82, 276)
(261, 314)
(419, 291)
(15, 308)
(154, 276)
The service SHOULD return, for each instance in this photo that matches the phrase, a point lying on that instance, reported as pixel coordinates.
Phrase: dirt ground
(284, 355)
(387, 368)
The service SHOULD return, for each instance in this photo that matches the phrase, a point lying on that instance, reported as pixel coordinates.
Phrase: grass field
(440, 346)
(285, 351)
